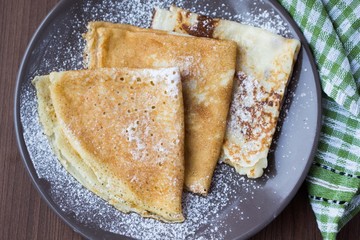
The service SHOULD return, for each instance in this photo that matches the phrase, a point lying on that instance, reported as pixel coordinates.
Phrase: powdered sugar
(133, 135)
(248, 94)
(252, 120)
(229, 210)
(171, 81)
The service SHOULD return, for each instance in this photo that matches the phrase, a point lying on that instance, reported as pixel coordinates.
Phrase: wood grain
(23, 214)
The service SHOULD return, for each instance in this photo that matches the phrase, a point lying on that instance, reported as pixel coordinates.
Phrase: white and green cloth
(332, 29)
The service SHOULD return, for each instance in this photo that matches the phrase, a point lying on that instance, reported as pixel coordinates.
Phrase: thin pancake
(115, 137)
(207, 68)
(264, 65)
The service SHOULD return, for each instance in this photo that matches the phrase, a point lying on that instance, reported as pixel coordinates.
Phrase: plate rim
(87, 232)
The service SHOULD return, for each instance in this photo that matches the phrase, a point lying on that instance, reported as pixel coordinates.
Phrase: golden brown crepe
(207, 68)
(264, 65)
(119, 132)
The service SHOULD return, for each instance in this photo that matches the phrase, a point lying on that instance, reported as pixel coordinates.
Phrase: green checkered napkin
(332, 29)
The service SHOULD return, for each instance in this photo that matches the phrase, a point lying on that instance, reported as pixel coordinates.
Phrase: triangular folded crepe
(264, 65)
(207, 68)
(120, 132)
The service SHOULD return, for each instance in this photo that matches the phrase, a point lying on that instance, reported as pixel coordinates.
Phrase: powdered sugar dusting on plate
(62, 49)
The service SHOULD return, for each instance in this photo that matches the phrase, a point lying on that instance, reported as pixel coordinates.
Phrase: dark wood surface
(23, 214)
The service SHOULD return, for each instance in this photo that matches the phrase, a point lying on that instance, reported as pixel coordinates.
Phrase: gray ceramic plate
(236, 207)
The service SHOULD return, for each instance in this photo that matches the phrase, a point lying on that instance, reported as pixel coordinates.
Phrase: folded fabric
(332, 29)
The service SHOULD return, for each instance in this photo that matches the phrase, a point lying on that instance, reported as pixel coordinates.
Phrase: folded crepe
(207, 68)
(119, 132)
(264, 64)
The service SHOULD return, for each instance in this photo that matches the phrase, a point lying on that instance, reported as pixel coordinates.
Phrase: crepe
(264, 65)
(207, 68)
(119, 134)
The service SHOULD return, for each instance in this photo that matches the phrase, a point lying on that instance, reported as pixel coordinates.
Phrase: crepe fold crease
(264, 66)
(207, 67)
(119, 135)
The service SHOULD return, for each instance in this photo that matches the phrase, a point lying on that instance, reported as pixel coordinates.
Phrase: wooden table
(23, 214)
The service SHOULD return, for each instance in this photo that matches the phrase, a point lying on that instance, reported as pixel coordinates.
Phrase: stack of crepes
(156, 109)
